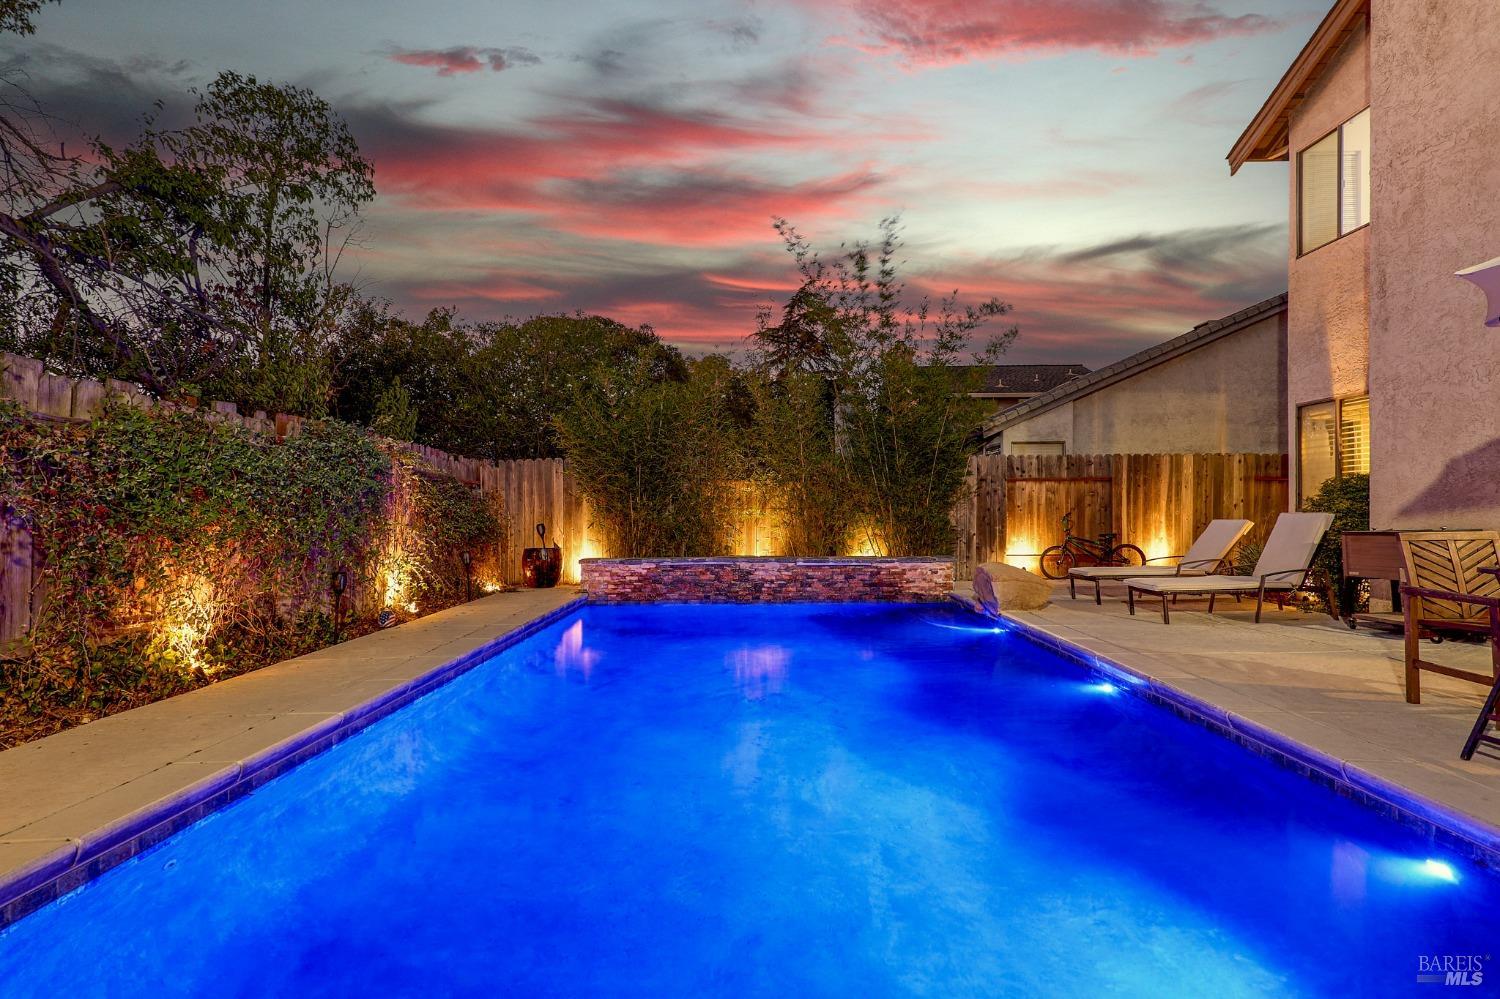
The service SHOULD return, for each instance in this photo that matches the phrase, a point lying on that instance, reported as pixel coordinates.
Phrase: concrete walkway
(1308, 678)
(64, 793)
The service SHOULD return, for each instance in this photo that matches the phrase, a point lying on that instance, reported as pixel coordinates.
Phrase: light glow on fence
(1024, 553)
(1157, 548)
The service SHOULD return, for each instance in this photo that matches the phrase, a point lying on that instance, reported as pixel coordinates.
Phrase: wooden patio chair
(1488, 715)
(1450, 584)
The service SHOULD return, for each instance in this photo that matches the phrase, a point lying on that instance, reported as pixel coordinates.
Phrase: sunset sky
(626, 158)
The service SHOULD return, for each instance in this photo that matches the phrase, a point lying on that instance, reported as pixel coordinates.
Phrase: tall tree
(490, 390)
(203, 254)
(896, 418)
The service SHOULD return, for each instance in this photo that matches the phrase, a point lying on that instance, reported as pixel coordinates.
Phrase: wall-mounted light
(1486, 277)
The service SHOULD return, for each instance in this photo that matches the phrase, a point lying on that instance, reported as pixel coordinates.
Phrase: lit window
(1334, 176)
(1333, 439)
(1354, 437)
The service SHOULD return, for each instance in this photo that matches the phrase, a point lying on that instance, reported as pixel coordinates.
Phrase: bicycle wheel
(1056, 561)
(1127, 555)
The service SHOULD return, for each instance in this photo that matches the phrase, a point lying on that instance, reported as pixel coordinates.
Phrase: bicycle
(1075, 550)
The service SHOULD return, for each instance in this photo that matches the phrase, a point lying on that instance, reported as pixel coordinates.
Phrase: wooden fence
(1157, 501)
(531, 492)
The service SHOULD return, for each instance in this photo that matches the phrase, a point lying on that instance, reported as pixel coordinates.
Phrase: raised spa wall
(766, 579)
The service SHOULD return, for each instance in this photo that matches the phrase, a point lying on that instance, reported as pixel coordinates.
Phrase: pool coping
(1451, 828)
(35, 883)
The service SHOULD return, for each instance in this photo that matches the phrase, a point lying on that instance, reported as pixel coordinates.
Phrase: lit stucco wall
(1328, 289)
(1435, 369)
(1053, 425)
(1226, 396)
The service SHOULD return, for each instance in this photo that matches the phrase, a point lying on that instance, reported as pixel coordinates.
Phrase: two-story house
(1390, 120)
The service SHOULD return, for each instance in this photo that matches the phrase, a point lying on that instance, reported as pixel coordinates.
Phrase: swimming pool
(771, 800)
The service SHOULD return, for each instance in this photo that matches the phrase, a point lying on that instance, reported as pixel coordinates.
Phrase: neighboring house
(1006, 385)
(1390, 118)
(1220, 387)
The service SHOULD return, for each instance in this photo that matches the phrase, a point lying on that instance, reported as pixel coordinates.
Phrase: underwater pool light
(1426, 872)
(1439, 870)
(1102, 687)
(971, 629)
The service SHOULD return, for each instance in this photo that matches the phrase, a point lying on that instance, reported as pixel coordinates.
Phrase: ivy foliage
(175, 548)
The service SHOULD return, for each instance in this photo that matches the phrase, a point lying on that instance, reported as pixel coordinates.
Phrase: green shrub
(657, 457)
(799, 466)
(1348, 499)
(895, 423)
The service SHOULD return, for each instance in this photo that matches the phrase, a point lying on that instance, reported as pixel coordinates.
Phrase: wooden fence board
(1157, 501)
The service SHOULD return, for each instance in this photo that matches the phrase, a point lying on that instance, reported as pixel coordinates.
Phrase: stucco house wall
(1434, 368)
(1049, 425)
(1224, 397)
(1227, 395)
(1328, 306)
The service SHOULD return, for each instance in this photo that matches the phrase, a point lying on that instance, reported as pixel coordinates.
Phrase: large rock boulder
(1000, 587)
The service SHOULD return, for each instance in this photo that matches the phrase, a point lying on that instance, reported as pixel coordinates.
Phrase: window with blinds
(1333, 440)
(1354, 437)
(1317, 446)
(1354, 173)
(1319, 171)
(1333, 175)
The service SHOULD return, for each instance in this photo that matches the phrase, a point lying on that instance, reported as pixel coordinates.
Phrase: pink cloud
(704, 207)
(490, 288)
(715, 327)
(617, 170)
(942, 32)
(463, 59)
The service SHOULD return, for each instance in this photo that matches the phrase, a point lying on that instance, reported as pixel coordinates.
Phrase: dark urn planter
(541, 568)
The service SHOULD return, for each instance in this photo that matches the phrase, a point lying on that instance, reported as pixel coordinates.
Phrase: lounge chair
(1282, 569)
(1202, 558)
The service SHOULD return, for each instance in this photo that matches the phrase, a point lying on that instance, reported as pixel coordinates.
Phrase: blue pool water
(772, 801)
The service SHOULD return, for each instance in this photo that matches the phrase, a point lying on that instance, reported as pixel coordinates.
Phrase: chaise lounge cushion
(1211, 548)
(1288, 552)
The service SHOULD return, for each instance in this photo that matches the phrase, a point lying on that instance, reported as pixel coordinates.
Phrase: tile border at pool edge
(27, 888)
(1473, 839)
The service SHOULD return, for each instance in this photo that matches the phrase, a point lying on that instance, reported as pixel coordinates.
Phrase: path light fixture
(1486, 277)
(467, 558)
(340, 584)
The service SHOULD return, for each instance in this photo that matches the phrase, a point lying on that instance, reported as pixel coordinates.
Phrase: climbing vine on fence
(174, 549)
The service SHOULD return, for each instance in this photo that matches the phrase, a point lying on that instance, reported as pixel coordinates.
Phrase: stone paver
(67, 789)
(1308, 678)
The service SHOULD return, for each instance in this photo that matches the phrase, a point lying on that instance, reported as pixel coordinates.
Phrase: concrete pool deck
(78, 802)
(1304, 677)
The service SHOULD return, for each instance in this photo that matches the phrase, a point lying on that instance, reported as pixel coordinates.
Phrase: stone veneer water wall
(766, 579)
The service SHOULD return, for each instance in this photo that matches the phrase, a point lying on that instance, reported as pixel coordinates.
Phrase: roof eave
(1265, 138)
(1127, 367)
